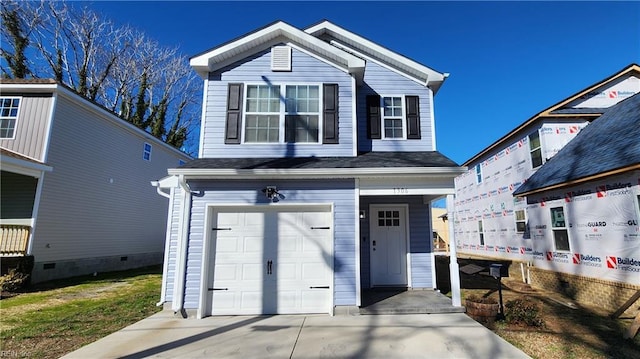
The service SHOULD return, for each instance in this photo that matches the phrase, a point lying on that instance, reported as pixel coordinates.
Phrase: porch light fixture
(272, 193)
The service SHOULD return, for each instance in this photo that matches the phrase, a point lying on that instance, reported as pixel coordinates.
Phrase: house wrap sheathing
(583, 224)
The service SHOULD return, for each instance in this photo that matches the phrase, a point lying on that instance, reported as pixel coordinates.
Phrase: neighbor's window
(481, 232)
(521, 221)
(8, 115)
(559, 227)
(392, 117)
(302, 113)
(146, 152)
(535, 150)
(478, 173)
(298, 120)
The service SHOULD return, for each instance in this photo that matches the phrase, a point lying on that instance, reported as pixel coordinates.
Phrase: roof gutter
(313, 173)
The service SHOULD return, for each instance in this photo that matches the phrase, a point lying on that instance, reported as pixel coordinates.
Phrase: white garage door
(272, 260)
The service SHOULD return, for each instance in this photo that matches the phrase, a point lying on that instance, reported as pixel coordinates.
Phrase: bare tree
(145, 83)
(17, 26)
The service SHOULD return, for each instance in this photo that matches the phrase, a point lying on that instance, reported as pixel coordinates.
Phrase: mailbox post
(496, 272)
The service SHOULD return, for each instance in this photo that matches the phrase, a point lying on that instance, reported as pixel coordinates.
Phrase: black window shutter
(234, 114)
(330, 113)
(413, 117)
(373, 117)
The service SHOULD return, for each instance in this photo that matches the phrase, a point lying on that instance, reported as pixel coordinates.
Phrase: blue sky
(507, 60)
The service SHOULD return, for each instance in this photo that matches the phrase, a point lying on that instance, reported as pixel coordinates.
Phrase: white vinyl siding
(98, 201)
(307, 70)
(380, 80)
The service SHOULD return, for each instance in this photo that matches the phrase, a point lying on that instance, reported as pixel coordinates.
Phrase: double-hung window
(8, 115)
(535, 149)
(521, 221)
(481, 232)
(302, 115)
(274, 118)
(262, 122)
(392, 117)
(559, 227)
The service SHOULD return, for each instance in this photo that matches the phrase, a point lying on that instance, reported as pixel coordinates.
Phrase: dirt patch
(571, 330)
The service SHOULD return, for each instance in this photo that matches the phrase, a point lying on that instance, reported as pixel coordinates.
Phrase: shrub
(523, 311)
(484, 300)
(13, 281)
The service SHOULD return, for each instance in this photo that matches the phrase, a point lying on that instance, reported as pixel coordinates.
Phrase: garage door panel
(252, 271)
(298, 254)
(227, 272)
(314, 271)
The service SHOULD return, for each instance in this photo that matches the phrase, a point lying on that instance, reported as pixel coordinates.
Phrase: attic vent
(281, 58)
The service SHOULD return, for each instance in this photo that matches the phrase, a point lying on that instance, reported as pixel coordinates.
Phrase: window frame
(403, 119)
(282, 112)
(481, 231)
(478, 172)
(564, 228)
(523, 220)
(532, 150)
(146, 155)
(8, 118)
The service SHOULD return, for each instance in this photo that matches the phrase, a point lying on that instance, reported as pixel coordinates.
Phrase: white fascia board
(93, 107)
(23, 167)
(212, 60)
(375, 50)
(314, 173)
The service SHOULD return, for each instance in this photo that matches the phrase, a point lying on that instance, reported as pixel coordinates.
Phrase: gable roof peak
(354, 42)
(262, 38)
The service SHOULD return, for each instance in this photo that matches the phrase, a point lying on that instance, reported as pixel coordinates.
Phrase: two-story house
(75, 192)
(315, 176)
(564, 230)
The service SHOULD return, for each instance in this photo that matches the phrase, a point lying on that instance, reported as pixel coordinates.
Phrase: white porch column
(454, 269)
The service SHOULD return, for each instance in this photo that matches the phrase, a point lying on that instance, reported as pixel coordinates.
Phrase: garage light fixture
(272, 193)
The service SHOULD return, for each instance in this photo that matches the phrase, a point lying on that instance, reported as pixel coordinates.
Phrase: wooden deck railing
(14, 239)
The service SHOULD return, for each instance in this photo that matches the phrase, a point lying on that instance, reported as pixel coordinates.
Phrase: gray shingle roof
(610, 142)
(579, 111)
(365, 160)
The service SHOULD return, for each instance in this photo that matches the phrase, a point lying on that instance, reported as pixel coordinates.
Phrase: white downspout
(183, 234)
(454, 268)
(167, 242)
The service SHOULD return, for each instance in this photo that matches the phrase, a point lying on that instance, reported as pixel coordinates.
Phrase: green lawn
(58, 317)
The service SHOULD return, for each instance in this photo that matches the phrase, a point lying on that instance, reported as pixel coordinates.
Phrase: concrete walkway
(164, 335)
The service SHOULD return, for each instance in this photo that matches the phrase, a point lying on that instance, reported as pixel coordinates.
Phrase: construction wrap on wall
(590, 230)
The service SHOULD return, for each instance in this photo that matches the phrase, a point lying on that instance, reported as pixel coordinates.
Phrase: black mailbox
(498, 270)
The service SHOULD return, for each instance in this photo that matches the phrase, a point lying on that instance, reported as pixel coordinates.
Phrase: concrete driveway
(164, 335)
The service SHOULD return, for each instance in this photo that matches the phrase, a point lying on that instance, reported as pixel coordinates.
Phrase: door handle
(269, 267)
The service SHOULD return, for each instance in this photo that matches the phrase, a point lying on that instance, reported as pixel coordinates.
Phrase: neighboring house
(488, 220)
(315, 176)
(440, 229)
(75, 190)
(584, 208)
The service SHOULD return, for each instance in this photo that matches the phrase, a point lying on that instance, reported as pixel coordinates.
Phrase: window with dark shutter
(330, 113)
(233, 126)
(413, 117)
(373, 117)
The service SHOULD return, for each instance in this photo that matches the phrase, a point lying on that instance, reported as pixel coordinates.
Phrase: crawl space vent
(281, 58)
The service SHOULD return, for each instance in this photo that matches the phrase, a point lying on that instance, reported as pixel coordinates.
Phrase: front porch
(406, 301)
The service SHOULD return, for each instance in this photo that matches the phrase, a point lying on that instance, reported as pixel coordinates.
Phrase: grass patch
(58, 317)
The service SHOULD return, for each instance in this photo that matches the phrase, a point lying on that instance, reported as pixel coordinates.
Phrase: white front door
(271, 260)
(388, 245)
